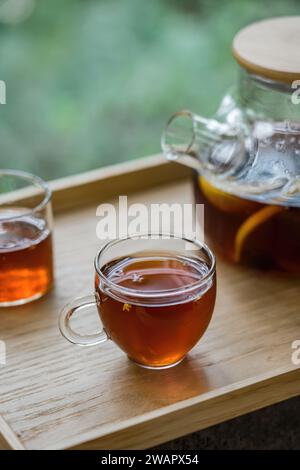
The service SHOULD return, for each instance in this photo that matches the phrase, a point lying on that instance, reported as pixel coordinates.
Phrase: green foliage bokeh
(92, 82)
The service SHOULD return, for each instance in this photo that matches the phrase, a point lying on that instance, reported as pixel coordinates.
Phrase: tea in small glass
(155, 298)
(25, 258)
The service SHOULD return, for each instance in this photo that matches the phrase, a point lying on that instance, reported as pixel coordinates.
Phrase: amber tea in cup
(155, 298)
(26, 268)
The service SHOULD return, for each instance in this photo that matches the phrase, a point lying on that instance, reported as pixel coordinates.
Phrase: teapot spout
(206, 145)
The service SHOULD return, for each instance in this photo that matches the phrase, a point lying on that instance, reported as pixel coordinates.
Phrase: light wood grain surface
(54, 395)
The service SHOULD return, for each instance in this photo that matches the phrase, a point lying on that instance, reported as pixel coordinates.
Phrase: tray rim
(130, 176)
(285, 378)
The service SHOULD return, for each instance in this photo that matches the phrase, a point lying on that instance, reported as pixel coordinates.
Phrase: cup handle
(69, 333)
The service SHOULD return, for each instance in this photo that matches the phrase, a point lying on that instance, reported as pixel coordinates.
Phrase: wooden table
(54, 395)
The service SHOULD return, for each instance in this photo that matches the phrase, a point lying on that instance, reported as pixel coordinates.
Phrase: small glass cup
(26, 262)
(155, 296)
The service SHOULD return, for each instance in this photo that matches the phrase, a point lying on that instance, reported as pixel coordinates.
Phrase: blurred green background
(92, 82)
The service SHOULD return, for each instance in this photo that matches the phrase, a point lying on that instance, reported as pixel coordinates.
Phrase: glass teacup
(155, 296)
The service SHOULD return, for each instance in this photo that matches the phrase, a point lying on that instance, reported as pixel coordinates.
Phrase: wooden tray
(54, 395)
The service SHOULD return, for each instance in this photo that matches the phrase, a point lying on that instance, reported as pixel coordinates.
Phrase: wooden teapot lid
(270, 48)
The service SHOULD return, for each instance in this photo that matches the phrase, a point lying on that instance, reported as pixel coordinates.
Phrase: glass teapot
(247, 157)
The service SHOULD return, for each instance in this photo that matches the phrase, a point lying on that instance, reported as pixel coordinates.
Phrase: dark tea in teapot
(249, 232)
(161, 333)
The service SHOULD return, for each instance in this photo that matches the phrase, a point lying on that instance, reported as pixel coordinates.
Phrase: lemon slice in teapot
(224, 201)
(258, 214)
